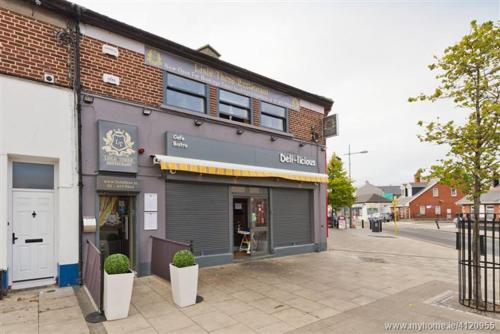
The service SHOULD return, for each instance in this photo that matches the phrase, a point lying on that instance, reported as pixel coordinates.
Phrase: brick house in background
(490, 204)
(434, 201)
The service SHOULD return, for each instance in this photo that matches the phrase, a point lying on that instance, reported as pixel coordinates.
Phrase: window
(437, 210)
(185, 93)
(490, 210)
(32, 176)
(453, 192)
(422, 210)
(234, 107)
(272, 116)
(435, 192)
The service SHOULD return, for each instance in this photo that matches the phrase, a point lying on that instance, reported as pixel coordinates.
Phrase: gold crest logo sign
(118, 142)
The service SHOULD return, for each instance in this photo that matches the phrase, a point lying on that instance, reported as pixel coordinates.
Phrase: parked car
(375, 217)
(386, 217)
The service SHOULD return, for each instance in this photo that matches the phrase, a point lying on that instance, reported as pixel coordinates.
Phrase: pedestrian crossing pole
(394, 211)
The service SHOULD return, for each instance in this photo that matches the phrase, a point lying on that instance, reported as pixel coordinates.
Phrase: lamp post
(349, 153)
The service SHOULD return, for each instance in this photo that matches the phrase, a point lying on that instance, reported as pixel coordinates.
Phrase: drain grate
(372, 259)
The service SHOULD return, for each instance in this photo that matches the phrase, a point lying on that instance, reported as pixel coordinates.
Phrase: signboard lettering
(203, 73)
(116, 183)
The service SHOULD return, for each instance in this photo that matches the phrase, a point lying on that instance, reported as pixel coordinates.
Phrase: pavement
(42, 311)
(364, 283)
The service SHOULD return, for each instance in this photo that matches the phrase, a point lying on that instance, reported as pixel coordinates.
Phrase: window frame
(250, 111)
(420, 210)
(206, 97)
(453, 192)
(285, 118)
(437, 210)
(435, 192)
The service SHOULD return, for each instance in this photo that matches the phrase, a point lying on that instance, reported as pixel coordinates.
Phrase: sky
(368, 56)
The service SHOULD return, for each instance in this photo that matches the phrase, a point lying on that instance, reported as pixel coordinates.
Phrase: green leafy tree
(468, 75)
(340, 188)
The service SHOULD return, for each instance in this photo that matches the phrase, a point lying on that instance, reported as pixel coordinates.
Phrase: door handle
(14, 238)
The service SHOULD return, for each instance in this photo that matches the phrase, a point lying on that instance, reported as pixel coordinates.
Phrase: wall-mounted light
(141, 150)
(240, 131)
(273, 138)
(146, 111)
(197, 122)
(88, 99)
(323, 149)
(301, 144)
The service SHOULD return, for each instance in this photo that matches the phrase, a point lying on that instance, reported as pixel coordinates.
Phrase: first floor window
(422, 210)
(185, 93)
(272, 116)
(453, 192)
(234, 106)
(435, 192)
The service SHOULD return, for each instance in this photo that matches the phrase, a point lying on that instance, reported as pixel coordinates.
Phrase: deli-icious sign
(291, 158)
(194, 147)
(199, 72)
(117, 145)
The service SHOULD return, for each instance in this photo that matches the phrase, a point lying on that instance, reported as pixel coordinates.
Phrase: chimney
(208, 50)
(417, 178)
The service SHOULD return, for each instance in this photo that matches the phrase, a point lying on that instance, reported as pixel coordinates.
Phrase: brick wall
(444, 200)
(213, 100)
(256, 112)
(302, 122)
(138, 82)
(28, 49)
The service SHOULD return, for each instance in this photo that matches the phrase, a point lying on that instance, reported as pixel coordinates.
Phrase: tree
(340, 188)
(468, 75)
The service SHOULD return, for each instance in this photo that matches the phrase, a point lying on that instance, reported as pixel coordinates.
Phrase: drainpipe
(77, 87)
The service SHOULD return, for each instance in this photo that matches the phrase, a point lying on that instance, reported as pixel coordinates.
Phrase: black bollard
(437, 224)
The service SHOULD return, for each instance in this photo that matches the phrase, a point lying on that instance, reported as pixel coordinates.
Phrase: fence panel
(479, 281)
(92, 277)
(162, 252)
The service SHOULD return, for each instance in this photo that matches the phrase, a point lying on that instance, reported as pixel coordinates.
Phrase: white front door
(33, 235)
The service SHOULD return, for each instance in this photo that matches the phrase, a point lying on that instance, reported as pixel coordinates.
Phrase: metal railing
(93, 274)
(162, 252)
(479, 276)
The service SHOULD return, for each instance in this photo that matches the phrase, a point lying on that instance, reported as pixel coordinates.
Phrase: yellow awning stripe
(198, 168)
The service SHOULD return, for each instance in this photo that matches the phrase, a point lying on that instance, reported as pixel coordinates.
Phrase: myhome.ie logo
(291, 158)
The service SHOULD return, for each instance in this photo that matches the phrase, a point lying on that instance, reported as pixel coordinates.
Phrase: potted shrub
(184, 278)
(118, 284)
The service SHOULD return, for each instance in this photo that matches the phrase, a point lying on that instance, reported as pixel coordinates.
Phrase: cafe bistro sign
(211, 76)
(117, 145)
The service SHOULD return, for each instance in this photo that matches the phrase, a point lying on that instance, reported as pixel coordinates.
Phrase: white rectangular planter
(117, 295)
(184, 283)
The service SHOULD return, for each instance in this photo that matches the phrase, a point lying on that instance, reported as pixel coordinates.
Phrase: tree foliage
(340, 188)
(468, 75)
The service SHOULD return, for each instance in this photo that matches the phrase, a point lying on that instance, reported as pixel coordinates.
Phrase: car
(374, 217)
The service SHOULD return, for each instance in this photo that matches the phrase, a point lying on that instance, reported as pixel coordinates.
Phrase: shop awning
(172, 163)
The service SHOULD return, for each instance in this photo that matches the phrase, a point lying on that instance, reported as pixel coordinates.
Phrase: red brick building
(435, 201)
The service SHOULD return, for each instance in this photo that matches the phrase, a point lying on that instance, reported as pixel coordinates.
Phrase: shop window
(435, 192)
(273, 116)
(185, 93)
(422, 210)
(453, 192)
(32, 176)
(234, 107)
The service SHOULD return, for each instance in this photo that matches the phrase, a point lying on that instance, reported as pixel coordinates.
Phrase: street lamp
(349, 153)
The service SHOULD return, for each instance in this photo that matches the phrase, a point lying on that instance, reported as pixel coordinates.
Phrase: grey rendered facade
(199, 207)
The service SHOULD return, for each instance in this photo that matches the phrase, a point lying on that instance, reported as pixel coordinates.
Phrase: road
(428, 232)
(442, 237)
